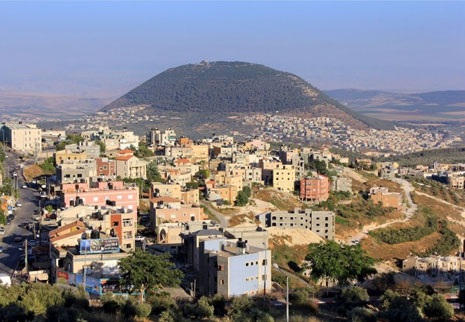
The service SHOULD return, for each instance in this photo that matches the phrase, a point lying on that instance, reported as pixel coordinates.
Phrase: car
(15, 174)
(140, 238)
(2, 231)
(18, 204)
(1, 249)
(8, 222)
(23, 186)
(6, 157)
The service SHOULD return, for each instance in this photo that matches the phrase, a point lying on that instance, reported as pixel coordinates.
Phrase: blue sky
(106, 48)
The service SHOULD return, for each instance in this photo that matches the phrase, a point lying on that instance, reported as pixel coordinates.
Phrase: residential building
(105, 167)
(341, 184)
(21, 137)
(101, 193)
(233, 268)
(91, 149)
(320, 222)
(284, 177)
(161, 137)
(168, 209)
(69, 156)
(76, 172)
(129, 166)
(433, 265)
(314, 188)
(223, 192)
(385, 198)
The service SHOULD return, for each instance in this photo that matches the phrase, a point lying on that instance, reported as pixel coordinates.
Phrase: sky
(106, 48)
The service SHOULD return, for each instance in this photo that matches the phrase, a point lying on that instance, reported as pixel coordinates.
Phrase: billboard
(99, 246)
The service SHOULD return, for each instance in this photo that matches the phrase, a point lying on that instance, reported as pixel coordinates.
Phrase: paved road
(409, 212)
(10, 257)
(223, 220)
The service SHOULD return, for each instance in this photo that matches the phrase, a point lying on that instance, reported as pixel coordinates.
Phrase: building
(161, 137)
(341, 184)
(320, 222)
(222, 192)
(103, 193)
(105, 167)
(314, 188)
(69, 156)
(385, 198)
(432, 265)
(284, 177)
(168, 209)
(76, 172)
(129, 166)
(23, 138)
(233, 268)
(89, 147)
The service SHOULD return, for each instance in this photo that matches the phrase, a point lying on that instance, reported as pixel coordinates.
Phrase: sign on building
(98, 246)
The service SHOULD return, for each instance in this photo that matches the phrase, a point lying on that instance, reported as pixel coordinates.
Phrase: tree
(436, 307)
(340, 263)
(242, 198)
(153, 175)
(102, 145)
(143, 271)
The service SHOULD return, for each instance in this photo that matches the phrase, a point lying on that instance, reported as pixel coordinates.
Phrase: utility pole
(287, 298)
(25, 256)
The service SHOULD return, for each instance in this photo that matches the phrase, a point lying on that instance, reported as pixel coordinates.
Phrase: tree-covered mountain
(237, 87)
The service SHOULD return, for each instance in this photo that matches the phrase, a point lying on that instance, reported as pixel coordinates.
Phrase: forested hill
(428, 157)
(237, 87)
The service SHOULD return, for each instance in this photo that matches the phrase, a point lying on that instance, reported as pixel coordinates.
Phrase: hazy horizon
(103, 49)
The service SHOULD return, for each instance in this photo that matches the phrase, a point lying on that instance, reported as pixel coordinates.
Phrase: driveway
(222, 219)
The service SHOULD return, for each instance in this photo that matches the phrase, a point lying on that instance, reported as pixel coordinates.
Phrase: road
(223, 220)
(10, 257)
(409, 212)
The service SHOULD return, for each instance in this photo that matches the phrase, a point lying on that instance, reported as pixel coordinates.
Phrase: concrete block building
(314, 188)
(21, 137)
(320, 222)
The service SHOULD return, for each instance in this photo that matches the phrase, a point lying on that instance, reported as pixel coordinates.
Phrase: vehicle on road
(24, 186)
(1, 249)
(140, 238)
(2, 231)
(8, 222)
(18, 204)
(15, 174)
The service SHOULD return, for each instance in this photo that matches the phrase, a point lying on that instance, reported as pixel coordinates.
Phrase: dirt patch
(383, 251)
(242, 219)
(281, 200)
(294, 237)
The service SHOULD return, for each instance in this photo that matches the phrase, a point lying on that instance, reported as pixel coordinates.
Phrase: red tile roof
(124, 157)
(125, 151)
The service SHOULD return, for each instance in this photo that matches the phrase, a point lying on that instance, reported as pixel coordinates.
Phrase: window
(95, 198)
(221, 267)
(130, 196)
(264, 262)
(246, 264)
(119, 197)
(127, 222)
(115, 224)
(221, 282)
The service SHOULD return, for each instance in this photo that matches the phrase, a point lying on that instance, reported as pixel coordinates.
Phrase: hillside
(428, 157)
(438, 105)
(237, 87)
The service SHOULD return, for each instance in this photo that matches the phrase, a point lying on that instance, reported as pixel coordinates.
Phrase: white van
(5, 279)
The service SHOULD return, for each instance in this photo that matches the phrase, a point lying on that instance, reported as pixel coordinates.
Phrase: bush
(437, 308)
(129, 308)
(353, 296)
(362, 314)
(161, 302)
(396, 236)
(219, 305)
(143, 310)
(111, 303)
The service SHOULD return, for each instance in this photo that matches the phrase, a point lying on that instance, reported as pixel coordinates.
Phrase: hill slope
(237, 87)
(447, 105)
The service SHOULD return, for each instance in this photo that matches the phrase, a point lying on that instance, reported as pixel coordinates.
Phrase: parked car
(18, 204)
(1, 249)
(2, 231)
(24, 186)
(8, 222)
(140, 238)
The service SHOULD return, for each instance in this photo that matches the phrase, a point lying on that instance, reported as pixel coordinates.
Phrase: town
(116, 215)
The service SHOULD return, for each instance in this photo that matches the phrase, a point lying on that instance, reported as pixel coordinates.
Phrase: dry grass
(32, 171)
(383, 251)
(281, 200)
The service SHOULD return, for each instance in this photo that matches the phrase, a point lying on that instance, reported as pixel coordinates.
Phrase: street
(10, 256)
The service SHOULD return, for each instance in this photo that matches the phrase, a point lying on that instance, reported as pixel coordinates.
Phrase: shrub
(161, 302)
(436, 307)
(143, 310)
(219, 305)
(129, 308)
(362, 314)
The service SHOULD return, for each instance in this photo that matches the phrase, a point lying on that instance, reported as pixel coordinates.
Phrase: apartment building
(161, 137)
(105, 167)
(69, 156)
(129, 166)
(168, 209)
(284, 178)
(200, 153)
(158, 189)
(433, 264)
(341, 184)
(314, 188)
(385, 198)
(89, 147)
(267, 166)
(320, 222)
(76, 172)
(233, 268)
(103, 193)
(223, 192)
(21, 137)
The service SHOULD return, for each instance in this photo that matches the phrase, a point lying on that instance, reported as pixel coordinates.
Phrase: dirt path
(409, 212)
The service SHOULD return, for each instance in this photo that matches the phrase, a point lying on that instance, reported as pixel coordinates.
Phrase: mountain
(440, 105)
(220, 88)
